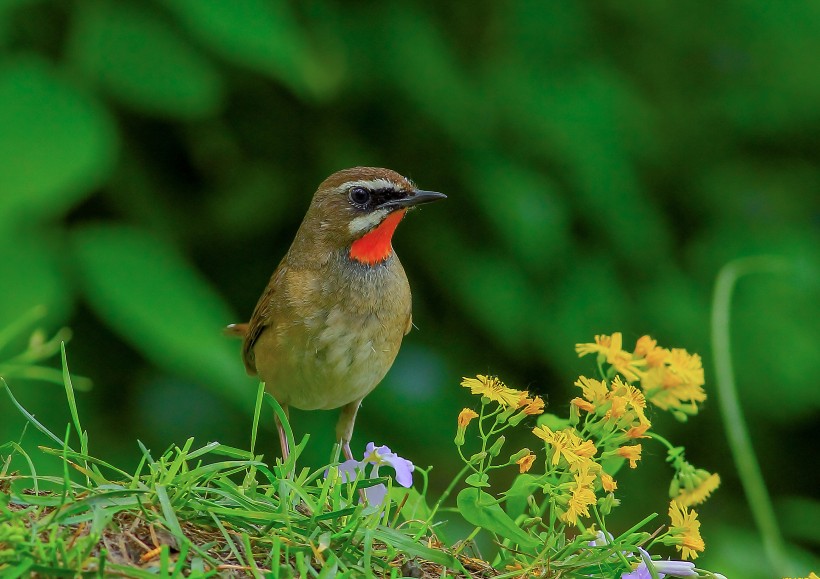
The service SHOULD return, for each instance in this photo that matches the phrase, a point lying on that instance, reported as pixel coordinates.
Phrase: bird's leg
(344, 428)
(344, 432)
(283, 439)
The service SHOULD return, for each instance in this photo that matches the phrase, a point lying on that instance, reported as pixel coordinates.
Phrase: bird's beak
(416, 197)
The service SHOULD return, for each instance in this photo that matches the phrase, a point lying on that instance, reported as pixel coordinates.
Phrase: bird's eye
(359, 196)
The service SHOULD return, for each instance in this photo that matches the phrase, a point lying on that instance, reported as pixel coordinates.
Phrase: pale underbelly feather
(331, 358)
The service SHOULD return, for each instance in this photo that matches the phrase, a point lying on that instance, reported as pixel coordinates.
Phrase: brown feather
(236, 330)
(260, 319)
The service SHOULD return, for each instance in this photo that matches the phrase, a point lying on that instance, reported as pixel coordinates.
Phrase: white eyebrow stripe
(378, 183)
(367, 221)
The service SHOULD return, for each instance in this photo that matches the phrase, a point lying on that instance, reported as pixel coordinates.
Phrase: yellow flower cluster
(621, 406)
(494, 390)
(670, 379)
(684, 531)
(517, 405)
(812, 575)
(692, 486)
(582, 474)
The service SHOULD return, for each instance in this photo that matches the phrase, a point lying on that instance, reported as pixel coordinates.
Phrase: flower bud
(495, 449)
(519, 455)
(607, 503)
(674, 487)
(517, 418)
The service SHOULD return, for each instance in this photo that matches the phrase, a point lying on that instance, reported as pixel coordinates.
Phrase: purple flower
(378, 456)
(676, 568)
(601, 540)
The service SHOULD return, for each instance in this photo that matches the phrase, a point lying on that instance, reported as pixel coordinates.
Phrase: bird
(330, 322)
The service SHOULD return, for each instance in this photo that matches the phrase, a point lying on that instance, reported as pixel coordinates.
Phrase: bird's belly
(331, 358)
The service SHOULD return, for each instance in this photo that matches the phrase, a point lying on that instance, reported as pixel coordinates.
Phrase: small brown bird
(331, 320)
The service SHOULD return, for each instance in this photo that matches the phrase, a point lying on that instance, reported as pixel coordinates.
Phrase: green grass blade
(72, 402)
(30, 417)
(168, 512)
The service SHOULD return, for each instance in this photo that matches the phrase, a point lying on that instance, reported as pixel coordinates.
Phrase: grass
(204, 511)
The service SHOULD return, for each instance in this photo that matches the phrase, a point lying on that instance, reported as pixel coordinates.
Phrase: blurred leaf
(498, 296)
(31, 274)
(6, 11)
(56, 144)
(139, 59)
(770, 82)
(761, 192)
(552, 421)
(676, 309)
(262, 35)
(417, 57)
(148, 293)
(482, 510)
(524, 208)
(584, 300)
(588, 121)
(799, 518)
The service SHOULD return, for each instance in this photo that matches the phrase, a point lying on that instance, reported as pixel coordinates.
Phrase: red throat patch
(376, 246)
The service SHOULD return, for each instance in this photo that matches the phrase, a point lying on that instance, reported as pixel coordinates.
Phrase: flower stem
(736, 429)
(445, 494)
(661, 439)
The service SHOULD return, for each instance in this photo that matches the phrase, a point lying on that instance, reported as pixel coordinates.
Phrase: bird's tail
(236, 330)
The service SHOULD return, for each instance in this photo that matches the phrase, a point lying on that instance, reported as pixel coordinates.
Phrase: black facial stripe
(386, 194)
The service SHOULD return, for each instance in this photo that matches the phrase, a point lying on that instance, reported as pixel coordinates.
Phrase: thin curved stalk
(737, 430)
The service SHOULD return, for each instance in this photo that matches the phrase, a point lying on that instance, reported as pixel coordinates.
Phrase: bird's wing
(260, 320)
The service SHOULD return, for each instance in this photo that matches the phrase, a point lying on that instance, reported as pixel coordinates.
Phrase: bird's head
(360, 208)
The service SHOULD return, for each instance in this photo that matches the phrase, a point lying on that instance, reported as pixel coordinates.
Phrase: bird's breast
(336, 332)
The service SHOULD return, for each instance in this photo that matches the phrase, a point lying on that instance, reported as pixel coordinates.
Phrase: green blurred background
(602, 161)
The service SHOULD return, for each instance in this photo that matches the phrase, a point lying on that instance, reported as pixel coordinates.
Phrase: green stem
(736, 429)
(661, 439)
(445, 494)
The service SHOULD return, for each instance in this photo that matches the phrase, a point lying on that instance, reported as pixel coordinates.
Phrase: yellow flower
(638, 431)
(608, 483)
(700, 492)
(676, 381)
(583, 404)
(685, 366)
(565, 443)
(465, 417)
(593, 390)
(685, 529)
(633, 398)
(582, 448)
(631, 453)
(494, 389)
(812, 575)
(533, 406)
(612, 347)
(645, 346)
(582, 497)
(525, 462)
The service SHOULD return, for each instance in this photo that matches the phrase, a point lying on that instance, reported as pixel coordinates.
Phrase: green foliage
(117, 263)
(602, 162)
(109, 47)
(216, 515)
(56, 146)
